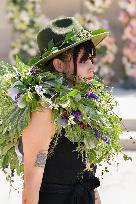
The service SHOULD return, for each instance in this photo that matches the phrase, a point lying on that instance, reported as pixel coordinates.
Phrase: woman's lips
(89, 78)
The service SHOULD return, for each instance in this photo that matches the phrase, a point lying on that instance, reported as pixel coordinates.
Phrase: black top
(65, 166)
(64, 181)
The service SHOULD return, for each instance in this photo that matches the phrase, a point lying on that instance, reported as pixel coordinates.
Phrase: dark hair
(89, 48)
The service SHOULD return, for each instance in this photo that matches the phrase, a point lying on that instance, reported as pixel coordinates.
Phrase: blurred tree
(26, 18)
(128, 18)
(97, 6)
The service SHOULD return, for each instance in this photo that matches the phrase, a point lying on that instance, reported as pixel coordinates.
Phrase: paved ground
(119, 185)
(8, 196)
(126, 103)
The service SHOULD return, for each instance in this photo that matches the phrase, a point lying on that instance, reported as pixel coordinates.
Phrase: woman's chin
(89, 80)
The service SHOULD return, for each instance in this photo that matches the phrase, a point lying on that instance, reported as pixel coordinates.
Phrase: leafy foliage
(27, 19)
(84, 110)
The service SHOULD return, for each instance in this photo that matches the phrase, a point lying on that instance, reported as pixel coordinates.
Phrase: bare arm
(97, 197)
(36, 139)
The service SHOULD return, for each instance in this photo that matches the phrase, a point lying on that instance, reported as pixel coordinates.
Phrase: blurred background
(20, 21)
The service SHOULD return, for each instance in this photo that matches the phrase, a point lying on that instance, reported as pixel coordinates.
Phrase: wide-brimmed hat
(62, 34)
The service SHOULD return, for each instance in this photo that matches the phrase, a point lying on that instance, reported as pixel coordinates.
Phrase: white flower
(71, 120)
(55, 106)
(38, 89)
(48, 102)
(66, 104)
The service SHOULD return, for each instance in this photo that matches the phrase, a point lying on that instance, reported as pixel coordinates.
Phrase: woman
(58, 179)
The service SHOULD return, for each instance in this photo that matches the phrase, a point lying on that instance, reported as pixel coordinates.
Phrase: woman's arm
(97, 197)
(36, 139)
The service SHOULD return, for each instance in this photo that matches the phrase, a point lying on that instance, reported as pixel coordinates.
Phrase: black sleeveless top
(65, 166)
(64, 181)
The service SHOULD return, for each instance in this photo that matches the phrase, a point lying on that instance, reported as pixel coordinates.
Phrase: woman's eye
(82, 61)
(85, 58)
(92, 60)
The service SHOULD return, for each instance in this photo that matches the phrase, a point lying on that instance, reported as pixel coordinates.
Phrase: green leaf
(21, 67)
(125, 157)
(34, 60)
(98, 31)
(73, 92)
(50, 45)
(45, 54)
(5, 161)
(68, 37)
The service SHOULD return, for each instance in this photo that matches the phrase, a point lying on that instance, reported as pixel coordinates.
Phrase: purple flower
(17, 96)
(77, 115)
(34, 70)
(106, 139)
(91, 94)
(97, 134)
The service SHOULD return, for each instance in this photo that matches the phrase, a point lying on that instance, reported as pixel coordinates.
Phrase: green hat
(62, 34)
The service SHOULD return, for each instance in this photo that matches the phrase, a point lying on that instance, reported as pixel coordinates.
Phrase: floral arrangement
(128, 17)
(27, 19)
(97, 5)
(84, 110)
(107, 49)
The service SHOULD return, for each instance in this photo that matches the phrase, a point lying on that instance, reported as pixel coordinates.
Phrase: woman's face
(85, 67)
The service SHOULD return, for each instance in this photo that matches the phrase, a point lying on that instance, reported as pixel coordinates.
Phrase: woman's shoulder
(43, 119)
(42, 113)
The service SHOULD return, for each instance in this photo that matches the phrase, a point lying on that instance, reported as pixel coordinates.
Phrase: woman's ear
(59, 65)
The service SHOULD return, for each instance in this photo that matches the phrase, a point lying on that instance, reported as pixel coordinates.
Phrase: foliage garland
(84, 110)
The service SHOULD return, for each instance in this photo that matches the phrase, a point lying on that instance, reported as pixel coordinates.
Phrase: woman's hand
(97, 197)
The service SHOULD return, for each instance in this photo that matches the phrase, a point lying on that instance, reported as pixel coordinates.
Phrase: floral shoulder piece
(84, 110)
